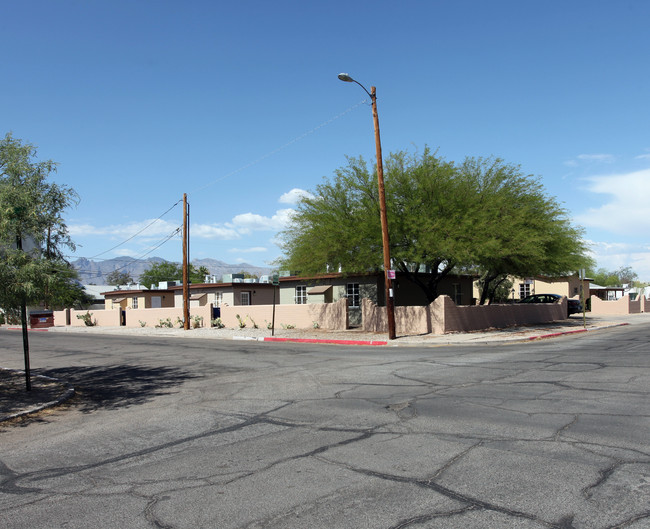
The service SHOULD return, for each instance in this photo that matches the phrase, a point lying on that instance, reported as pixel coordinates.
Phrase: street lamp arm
(390, 312)
(346, 78)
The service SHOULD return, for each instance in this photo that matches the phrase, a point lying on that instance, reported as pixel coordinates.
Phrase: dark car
(574, 304)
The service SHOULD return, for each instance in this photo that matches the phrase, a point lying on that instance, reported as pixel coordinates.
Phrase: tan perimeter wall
(103, 317)
(623, 305)
(443, 316)
(150, 317)
(333, 316)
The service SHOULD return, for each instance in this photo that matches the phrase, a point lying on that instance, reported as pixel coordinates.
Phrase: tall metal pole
(23, 321)
(186, 286)
(390, 303)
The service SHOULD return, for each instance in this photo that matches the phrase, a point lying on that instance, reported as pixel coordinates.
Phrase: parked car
(574, 304)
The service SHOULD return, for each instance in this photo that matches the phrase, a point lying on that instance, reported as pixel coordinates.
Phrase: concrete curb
(69, 393)
(29, 329)
(325, 341)
(556, 334)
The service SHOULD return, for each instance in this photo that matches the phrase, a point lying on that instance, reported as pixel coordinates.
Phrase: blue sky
(238, 105)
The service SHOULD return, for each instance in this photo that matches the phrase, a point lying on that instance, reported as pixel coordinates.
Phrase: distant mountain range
(95, 272)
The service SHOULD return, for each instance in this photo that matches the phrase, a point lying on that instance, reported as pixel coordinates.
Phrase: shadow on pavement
(114, 387)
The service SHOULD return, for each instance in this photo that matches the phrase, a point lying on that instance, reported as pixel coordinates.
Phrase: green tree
(518, 228)
(482, 214)
(248, 275)
(116, 277)
(163, 271)
(627, 276)
(33, 232)
(197, 275)
(167, 271)
(614, 278)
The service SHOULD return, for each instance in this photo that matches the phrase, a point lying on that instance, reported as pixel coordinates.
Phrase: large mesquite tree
(33, 232)
(482, 214)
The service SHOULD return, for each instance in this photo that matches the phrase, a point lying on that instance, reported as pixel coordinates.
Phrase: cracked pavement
(188, 434)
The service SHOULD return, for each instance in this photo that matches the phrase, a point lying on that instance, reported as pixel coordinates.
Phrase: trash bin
(41, 319)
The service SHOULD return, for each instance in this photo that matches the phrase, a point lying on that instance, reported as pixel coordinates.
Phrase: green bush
(87, 319)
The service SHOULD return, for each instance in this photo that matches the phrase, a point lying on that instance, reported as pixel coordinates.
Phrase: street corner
(17, 401)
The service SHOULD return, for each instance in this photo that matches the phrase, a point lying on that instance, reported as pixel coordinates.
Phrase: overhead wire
(140, 257)
(242, 168)
(137, 233)
(282, 147)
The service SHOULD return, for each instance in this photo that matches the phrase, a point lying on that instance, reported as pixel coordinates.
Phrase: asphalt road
(229, 434)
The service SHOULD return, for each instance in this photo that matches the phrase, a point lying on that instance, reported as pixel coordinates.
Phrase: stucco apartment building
(324, 288)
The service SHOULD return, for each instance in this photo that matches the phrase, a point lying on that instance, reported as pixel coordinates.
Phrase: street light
(390, 312)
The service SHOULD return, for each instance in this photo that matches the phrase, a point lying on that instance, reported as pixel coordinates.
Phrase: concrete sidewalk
(46, 392)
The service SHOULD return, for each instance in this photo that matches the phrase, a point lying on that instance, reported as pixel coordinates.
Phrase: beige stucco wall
(331, 316)
(103, 317)
(152, 317)
(623, 305)
(443, 316)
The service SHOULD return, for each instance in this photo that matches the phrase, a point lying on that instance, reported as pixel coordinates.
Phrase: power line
(137, 233)
(282, 147)
(140, 257)
(242, 168)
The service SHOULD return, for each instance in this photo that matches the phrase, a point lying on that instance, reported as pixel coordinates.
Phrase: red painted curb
(555, 334)
(316, 340)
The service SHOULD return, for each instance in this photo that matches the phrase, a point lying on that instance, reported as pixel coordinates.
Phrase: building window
(458, 297)
(352, 293)
(245, 298)
(524, 290)
(301, 295)
(218, 299)
(134, 302)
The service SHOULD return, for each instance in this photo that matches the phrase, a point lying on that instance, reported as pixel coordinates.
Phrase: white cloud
(600, 158)
(625, 213)
(614, 255)
(212, 231)
(149, 228)
(590, 158)
(249, 222)
(293, 196)
(643, 157)
(126, 253)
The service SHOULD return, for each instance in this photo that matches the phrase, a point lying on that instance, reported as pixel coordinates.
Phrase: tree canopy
(482, 214)
(166, 271)
(33, 232)
(117, 277)
(625, 275)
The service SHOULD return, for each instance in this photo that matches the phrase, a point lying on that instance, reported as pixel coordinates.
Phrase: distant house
(329, 288)
(170, 294)
(96, 294)
(522, 287)
(324, 288)
(138, 297)
(232, 294)
(606, 293)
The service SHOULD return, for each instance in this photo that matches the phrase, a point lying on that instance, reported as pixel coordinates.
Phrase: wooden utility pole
(186, 265)
(390, 303)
